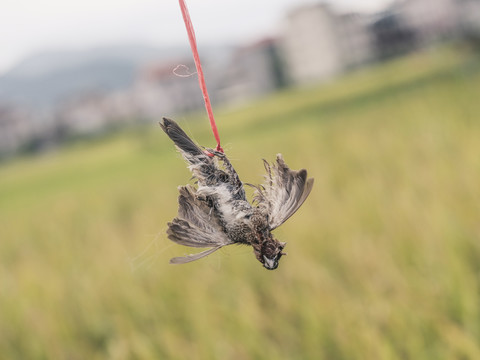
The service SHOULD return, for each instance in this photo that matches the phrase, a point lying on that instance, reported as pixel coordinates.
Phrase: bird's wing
(185, 233)
(283, 192)
(195, 226)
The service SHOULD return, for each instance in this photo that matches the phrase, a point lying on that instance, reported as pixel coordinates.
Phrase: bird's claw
(214, 152)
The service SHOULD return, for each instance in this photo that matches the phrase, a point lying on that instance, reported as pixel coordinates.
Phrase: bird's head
(267, 249)
(270, 253)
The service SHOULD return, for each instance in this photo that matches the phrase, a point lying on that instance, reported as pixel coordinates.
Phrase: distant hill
(45, 78)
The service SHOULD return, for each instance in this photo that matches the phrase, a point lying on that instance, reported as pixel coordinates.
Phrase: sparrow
(216, 213)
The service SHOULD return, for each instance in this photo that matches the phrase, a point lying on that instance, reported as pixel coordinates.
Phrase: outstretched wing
(195, 226)
(283, 193)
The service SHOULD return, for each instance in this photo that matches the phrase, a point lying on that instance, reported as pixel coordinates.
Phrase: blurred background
(377, 99)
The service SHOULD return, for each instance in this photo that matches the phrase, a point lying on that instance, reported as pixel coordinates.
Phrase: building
(25, 129)
(437, 20)
(254, 70)
(432, 20)
(15, 129)
(470, 19)
(319, 44)
(392, 36)
(164, 89)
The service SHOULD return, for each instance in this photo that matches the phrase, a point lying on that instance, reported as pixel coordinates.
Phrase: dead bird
(217, 213)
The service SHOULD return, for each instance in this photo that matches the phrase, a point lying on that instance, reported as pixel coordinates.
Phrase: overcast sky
(27, 26)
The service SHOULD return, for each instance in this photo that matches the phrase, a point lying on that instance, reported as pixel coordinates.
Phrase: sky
(29, 26)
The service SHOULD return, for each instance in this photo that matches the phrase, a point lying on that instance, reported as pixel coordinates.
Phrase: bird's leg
(234, 179)
(214, 152)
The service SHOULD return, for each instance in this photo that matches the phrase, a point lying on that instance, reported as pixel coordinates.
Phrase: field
(383, 258)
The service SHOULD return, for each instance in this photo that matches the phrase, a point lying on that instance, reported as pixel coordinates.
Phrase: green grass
(384, 257)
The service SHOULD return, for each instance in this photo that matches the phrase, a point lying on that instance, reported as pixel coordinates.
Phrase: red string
(198, 65)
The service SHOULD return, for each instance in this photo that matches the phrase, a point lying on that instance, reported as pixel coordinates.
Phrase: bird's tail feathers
(189, 149)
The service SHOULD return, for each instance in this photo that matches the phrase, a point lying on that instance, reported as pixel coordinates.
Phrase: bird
(214, 212)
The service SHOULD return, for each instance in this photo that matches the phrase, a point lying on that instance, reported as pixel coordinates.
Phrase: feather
(283, 193)
(184, 233)
(194, 226)
(196, 211)
(179, 137)
(193, 257)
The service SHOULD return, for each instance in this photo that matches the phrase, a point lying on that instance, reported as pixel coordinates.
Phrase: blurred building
(95, 112)
(470, 18)
(432, 20)
(319, 44)
(254, 70)
(24, 129)
(85, 114)
(15, 129)
(392, 36)
(356, 39)
(436, 20)
(167, 88)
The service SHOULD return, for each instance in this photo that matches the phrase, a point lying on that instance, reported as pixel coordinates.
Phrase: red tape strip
(201, 78)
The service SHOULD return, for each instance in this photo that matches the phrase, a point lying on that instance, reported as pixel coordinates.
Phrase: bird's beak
(269, 263)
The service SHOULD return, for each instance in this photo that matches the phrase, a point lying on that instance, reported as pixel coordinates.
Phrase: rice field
(383, 258)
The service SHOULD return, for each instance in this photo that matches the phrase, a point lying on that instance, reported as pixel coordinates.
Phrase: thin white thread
(184, 68)
(145, 261)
